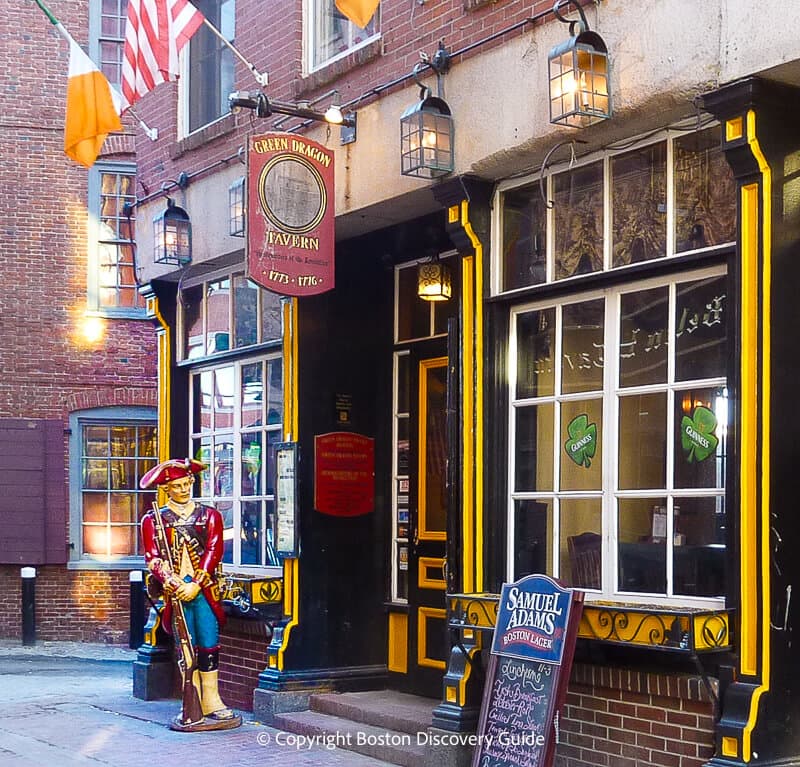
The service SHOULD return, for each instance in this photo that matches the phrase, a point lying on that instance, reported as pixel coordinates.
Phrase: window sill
(127, 563)
(119, 314)
(335, 69)
(683, 630)
(220, 127)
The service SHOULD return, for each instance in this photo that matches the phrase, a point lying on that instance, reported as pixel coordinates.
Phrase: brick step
(387, 745)
(386, 709)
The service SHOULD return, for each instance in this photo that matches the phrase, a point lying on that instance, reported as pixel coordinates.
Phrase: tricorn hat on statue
(174, 468)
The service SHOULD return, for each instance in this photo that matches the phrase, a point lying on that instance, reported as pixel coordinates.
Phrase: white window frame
(93, 246)
(310, 13)
(609, 431)
(184, 65)
(105, 416)
(669, 135)
(235, 432)
(96, 37)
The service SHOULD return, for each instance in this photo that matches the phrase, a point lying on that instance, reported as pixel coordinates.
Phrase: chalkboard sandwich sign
(526, 682)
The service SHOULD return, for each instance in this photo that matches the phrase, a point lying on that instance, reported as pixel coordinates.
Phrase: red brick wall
(270, 35)
(49, 369)
(622, 718)
(243, 655)
(76, 605)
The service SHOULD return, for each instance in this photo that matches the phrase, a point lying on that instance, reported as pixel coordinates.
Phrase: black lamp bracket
(572, 142)
(583, 25)
(440, 64)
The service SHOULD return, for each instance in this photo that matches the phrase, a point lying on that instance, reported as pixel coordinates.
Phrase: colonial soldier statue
(183, 551)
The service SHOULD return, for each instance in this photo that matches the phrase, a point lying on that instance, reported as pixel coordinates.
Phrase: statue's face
(180, 490)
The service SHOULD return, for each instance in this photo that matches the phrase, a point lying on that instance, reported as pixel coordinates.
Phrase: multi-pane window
(618, 426)
(236, 413)
(211, 71)
(629, 206)
(108, 37)
(112, 273)
(227, 312)
(113, 456)
(332, 35)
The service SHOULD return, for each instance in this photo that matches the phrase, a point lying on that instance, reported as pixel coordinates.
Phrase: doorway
(428, 647)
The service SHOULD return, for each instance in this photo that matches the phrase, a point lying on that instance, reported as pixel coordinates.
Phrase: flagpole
(151, 133)
(262, 78)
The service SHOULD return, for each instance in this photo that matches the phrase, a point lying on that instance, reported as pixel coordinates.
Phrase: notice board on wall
(526, 682)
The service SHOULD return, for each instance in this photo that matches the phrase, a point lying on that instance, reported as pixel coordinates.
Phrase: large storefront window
(236, 420)
(638, 203)
(618, 427)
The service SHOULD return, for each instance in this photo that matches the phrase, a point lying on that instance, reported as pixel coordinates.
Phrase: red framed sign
(290, 214)
(344, 474)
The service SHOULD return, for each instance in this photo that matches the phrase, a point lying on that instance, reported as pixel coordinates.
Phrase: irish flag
(358, 11)
(93, 107)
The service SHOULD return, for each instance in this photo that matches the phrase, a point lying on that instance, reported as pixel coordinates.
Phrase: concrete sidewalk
(70, 703)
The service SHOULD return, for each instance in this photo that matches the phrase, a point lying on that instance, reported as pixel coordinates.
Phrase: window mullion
(611, 443)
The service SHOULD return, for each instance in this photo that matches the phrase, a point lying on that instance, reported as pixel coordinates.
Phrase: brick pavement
(70, 704)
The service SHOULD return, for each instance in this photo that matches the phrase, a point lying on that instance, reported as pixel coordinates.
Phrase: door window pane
(643, 441)
(639, 205)
(535, 349)
(644, 329)
(581, 439)
(582, 333)
(578, 220)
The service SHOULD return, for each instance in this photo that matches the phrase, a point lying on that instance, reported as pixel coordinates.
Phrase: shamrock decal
(697, 434)
(582, 444)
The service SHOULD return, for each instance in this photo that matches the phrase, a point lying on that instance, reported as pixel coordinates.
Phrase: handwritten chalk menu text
(532, 650)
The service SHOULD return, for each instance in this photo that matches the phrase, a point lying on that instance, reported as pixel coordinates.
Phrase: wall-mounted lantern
(172, 236)
(579, 74)
(236, 208)
(434, 282)
(426, 128)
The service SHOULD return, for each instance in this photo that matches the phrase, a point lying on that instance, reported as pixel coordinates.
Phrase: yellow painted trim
(398, 643)
(467, 428)
(422, 434)
(452, 214)
(764, 398)
(424, 614)
(730, 747)
(734, 129)
(478, 404)
(749, 426)
(164, 381)
(423, 579)
(291, 567)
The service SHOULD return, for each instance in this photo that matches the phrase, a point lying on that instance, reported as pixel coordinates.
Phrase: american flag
(155, 33)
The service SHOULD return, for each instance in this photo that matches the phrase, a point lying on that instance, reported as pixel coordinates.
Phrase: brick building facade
(76, 348)
(621, 290)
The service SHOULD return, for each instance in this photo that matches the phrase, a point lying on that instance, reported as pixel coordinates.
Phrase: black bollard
(136, 629)
(28, 575)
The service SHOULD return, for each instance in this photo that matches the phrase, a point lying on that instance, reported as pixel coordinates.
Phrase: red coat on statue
(201, 534)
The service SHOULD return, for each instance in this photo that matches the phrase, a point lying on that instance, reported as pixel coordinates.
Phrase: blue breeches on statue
(201, 622)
